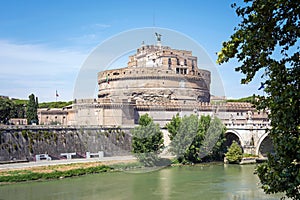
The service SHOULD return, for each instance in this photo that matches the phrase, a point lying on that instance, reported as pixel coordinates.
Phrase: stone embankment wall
(24, 142)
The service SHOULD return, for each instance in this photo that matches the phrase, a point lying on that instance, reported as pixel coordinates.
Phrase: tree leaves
(31, 110)
(235, 153)
(147, 141)
(194, 139)
(268, 38)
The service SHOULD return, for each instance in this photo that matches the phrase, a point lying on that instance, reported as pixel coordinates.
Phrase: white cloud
(97, 26)
(91, 34)
(39, 69)
(85, 39)
(101, 26)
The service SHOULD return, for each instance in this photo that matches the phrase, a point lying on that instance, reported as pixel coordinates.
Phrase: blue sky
(43, 44)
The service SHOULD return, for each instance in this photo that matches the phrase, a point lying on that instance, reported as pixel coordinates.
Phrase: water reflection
(214, 182)
(165, 177)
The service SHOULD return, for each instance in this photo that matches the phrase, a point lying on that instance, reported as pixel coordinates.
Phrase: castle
(158, 80)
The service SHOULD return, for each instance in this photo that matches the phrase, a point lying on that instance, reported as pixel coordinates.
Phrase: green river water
(188, 182)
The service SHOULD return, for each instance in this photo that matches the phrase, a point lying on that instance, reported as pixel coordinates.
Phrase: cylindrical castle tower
(157, 74)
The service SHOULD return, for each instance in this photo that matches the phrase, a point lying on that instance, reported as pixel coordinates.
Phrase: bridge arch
(231, 135)
(264, 145)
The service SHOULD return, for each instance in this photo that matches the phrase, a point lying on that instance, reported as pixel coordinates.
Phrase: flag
(262, 86)
(56, 94)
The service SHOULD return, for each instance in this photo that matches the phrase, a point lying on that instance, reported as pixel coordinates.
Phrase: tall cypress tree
(31, 111)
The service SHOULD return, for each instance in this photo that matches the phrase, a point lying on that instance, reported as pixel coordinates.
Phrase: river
(219, 182)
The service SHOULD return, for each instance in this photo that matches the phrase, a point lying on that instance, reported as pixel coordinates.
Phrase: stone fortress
(162, 82)
(158, 80)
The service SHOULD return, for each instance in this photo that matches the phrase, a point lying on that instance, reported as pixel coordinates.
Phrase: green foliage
(15, 108)
(58, 104)
(147, 141)
(193, 138)
(31, 111)
(182, 143)
(235, 153)
(20, 101)
(244, 99)
(19, 108)
(212, 147)
(267, 40)
(6, 107)
(25, 175)
(11, 108)
(247, 155)
(173, 126)
(145, 120)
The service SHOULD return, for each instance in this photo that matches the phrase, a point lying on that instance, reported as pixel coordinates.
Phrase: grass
(63, 171)
(53, 172)
(249, 99)
(28, 175)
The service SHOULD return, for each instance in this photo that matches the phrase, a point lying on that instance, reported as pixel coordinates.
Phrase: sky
(44, 44)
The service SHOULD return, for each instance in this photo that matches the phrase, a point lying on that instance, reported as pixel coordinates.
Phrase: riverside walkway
(63, 162)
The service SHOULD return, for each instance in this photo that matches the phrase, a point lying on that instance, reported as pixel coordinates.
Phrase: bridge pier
(251, 138)
(249, 150)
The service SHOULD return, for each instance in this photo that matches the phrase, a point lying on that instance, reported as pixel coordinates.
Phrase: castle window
(177, 70)
(171, 52)
(185, 62)
(237, 114)
(177, 61)
(193, 65)
(184, 71)
(170, 63)
(116, 73)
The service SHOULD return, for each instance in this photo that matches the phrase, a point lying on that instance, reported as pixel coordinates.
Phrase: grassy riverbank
(63, 171)
(54, 172)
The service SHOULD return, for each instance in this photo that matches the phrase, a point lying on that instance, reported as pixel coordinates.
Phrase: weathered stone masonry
(24, 142)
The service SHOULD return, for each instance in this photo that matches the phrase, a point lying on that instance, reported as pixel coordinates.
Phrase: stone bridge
(253, 138)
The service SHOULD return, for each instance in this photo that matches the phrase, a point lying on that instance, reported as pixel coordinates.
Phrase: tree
(31, 111)
(267, 40)
(212, 147)
(147, 141)
(184, 136)
(193, 138)
(6, 108)
(235, 153)
(173, 126)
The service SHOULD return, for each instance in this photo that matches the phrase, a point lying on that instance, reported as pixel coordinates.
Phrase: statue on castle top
(158, 37)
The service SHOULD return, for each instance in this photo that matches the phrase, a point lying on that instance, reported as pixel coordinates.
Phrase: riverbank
(60, 171)
(186, 182)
